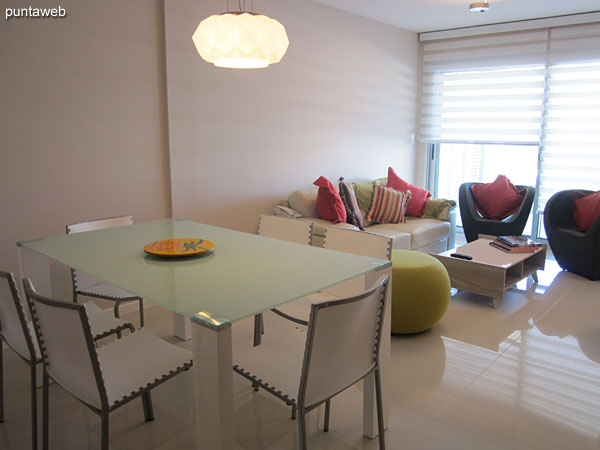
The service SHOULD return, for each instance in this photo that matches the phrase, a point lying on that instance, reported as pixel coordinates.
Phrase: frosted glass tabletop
(244, 275)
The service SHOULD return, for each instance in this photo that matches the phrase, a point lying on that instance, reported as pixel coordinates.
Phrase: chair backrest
(13, 322)
(558, 211)
(286, 229)
(343, 343)
(99, 224)
(81, 281)
(358, 242)
(67, 346)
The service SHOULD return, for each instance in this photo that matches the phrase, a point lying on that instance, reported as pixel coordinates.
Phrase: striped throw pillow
(388, 205)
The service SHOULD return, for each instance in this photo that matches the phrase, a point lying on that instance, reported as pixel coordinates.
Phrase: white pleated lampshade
(241, 40)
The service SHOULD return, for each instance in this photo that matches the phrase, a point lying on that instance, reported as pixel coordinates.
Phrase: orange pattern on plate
(179, 247)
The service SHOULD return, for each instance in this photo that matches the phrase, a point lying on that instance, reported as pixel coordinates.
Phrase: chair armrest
(443, 209)
(439, 208)
(592, 239)
(452, 235)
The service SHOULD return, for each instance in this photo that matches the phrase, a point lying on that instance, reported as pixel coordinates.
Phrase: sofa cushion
(304, 201)
(418, 196)
(421, 231)
(329, 203)
(499, 199)
(388, 205)
(585, 209)
(348, 196)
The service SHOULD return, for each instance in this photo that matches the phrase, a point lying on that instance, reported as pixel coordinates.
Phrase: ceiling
(433, 15)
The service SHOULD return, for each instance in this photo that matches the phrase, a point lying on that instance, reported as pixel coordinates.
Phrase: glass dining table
(244, 275)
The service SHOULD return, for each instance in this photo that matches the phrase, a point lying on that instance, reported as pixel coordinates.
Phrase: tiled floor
(524, 376)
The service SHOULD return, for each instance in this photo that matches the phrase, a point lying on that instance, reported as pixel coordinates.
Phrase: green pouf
(420, 291)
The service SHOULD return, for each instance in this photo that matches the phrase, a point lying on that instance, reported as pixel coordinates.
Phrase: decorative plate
(178, 247)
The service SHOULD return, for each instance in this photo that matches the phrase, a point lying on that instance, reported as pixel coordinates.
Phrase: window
(525, 104)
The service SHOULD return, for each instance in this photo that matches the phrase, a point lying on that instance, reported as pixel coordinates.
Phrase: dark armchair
(574, 250)
(474, 224)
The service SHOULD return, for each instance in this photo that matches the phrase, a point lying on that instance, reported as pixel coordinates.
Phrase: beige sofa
(432, 233)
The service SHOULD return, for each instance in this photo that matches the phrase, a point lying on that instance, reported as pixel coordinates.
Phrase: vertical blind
(539, 87)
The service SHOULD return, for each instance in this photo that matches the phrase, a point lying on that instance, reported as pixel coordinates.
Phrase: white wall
(342, 102)
(83, 128)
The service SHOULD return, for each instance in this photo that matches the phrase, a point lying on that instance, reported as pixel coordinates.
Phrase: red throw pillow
(329, 202)
(585, 209)
(418, 196)
(497, 200)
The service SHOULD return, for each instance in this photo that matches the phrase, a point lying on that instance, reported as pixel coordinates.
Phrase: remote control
(461, 256)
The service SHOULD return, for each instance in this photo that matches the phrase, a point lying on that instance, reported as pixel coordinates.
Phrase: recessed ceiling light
(479, 7)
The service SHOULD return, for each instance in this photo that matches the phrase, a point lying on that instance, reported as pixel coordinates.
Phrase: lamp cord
(240, 6)
(244, 8)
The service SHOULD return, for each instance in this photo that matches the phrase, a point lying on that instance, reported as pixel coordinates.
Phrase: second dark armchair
(576, 251)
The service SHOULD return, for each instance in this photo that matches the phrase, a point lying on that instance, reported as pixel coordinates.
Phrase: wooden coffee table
(491, 271)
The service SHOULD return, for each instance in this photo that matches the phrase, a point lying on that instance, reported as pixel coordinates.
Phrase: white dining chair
(340, 348)
(358, 242)
(102, 378)
(286, 229)
(17, 331)
(89, 286)
(350, 241)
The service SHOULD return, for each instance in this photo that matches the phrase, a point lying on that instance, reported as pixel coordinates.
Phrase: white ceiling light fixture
(241, 40)
(479, 6)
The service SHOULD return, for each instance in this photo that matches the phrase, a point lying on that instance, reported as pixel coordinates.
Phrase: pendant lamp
(241, 40)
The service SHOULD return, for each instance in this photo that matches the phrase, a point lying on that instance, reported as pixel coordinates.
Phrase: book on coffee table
(517, 241)
(508, 249)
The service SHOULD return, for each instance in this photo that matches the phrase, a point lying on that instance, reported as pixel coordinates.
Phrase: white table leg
(369, 403)
(213, 387)
(182, 327)
(48, 277)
